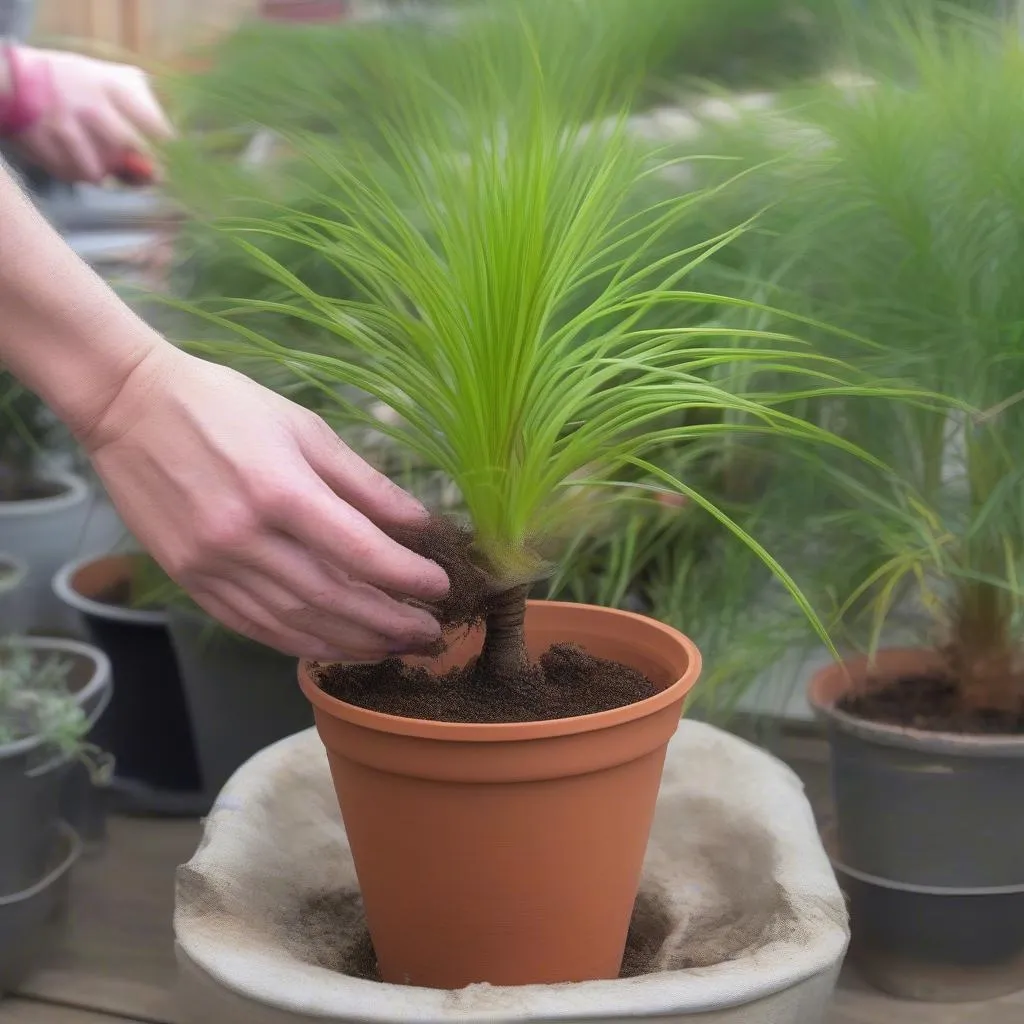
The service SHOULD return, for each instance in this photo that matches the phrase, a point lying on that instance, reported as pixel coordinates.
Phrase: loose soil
(324, 918)
(122, 595)
(566, 682)
(450, 545)
(933, 703)
(30, 490)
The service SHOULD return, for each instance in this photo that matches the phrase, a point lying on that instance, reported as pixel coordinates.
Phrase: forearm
(63, 332)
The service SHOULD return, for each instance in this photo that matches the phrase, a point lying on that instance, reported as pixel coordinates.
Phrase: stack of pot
(39, 845)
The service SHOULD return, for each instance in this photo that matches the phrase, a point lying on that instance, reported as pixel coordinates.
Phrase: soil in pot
(567, 682)
(18, 487)
(499, 686)
(933, 702)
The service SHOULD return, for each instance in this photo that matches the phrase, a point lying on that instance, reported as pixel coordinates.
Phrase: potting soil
(933, 703)
(566, 682)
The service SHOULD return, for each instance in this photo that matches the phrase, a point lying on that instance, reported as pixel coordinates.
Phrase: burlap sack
(739, 919)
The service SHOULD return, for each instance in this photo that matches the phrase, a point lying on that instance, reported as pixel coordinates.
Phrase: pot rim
(72, 844)
(75, 491)
(101, 679)
(66, 592)
(904, 737)
(496, 732)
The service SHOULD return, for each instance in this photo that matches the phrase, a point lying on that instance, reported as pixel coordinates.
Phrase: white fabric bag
(740, 919)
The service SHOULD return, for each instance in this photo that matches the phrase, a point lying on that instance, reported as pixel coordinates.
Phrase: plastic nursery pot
(929, 843)
(241, 695)
(511, 853)
(147, 726)
(44, 530)
(31, 919)
(34, 778)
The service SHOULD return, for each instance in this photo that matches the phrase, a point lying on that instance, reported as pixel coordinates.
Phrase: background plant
(896, 210)
(36, 701)
(28, 430)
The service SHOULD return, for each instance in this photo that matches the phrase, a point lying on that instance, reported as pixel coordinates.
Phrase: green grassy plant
(897, 211)
(515, 309)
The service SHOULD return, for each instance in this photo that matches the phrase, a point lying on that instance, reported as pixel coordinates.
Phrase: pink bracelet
(31, 94)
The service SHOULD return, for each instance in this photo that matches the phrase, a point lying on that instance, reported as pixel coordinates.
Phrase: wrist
(150, 376)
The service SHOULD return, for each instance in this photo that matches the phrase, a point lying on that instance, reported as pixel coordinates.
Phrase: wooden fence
(150, 32)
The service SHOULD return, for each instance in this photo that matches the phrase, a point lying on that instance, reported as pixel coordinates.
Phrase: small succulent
(35, 700)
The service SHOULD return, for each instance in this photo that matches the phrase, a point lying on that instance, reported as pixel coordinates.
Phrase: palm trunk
(982, 651)
(504, 654)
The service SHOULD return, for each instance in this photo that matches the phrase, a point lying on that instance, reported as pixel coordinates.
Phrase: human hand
(76, 117)
(261, 513)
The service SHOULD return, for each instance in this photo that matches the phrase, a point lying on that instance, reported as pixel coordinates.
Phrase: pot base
(934, 945)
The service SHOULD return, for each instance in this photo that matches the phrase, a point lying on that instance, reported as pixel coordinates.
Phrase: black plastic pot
(34, 778)
(241, 695)
(147, 725)
(929, 844)
(31, 919)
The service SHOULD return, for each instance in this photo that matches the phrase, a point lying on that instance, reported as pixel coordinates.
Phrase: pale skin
(248, 501)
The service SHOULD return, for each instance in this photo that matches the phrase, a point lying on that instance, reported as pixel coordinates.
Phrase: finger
(112, 134)
(336, 597)
(284, 608)
(136, 101)
(314, 515)
(355, 480)
(344, 538)
(82, 156)
(233, 608)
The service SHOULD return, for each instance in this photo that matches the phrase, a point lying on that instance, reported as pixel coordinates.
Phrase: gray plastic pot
(241, 695)
(44, 533)
(31, 919)
(34, 778)
(929, 843)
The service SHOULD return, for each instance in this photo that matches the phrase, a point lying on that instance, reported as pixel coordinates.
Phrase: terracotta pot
(508, 854)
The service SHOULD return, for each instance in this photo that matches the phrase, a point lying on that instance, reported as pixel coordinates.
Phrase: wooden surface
(116, 964)
(117, 956)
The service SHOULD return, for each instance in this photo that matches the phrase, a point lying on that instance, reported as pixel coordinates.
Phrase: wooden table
(116, 964)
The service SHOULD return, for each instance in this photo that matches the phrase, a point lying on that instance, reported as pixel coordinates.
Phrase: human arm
(247, 500)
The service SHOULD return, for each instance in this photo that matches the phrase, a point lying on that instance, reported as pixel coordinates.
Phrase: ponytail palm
(521, 302)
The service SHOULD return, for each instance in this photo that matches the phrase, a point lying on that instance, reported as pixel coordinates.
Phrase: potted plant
(897, 221)
(510, 313)
(51, 691)
(147, 725)
(43, 508)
